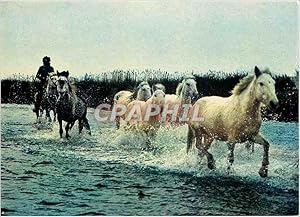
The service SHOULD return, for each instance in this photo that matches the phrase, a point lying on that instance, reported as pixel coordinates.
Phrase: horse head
(158, 86)
(63, 85)
(52, 84)
(158, 98)
(265, 88)
(189, 88)
(144, 91)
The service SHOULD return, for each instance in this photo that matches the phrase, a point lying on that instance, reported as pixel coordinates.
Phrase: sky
(100, 36)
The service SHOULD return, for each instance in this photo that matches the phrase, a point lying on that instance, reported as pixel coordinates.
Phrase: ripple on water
(111, 173)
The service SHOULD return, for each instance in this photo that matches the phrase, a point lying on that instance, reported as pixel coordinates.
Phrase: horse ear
(153, 87)
(257, 71)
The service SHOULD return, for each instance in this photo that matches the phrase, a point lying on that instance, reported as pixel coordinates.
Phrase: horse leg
(48, 115)
(211, 164)
(36, 108)
(72, 124)
(54, 113)
(67, 130)
(87, 125)
(190, 139)
(263, 172)
(37, 111)
(203, 147)
(80, 125)
(230, 156)
(118, 122)
(249, 145)
(41, 112)
(150, 137)
(60, 127)
(36, 105)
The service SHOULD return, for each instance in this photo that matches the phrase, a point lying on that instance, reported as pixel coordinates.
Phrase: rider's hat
(46, 59)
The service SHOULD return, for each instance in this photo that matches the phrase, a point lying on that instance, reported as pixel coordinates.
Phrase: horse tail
(190, 139)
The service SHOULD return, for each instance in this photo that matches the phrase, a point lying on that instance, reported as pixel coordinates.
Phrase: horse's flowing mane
(179, 89)
(242, 85)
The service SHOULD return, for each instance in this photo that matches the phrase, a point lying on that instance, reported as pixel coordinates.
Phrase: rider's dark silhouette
(41, 79)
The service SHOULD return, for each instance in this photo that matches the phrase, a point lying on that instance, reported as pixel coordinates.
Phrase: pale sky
(101, 36)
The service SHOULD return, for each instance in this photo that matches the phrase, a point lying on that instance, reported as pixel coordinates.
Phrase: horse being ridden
(69, 106)
(41, 81)
(49, 98)
(234, 119)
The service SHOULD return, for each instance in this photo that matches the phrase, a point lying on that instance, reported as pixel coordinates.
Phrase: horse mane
(242, 85)
(179, 88)
(71, 84)
(134, 94)
(244, 82)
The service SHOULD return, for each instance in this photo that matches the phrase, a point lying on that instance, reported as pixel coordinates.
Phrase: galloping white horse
(143, 110)
(124, 97)
(146, 116)
(185, 92)
(234, 119)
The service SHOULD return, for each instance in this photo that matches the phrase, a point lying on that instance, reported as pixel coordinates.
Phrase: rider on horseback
(41, 80)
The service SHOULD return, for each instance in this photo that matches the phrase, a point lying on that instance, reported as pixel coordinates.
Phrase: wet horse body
(234, 119)
(48, 99)
(146, 116)
(70, 107)
(124, 97)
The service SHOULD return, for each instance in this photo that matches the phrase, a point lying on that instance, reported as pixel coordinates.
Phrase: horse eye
(188, 84)
(261, 84)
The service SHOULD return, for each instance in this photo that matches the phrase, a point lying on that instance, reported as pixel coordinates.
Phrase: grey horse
(70, 107)
(49, 98)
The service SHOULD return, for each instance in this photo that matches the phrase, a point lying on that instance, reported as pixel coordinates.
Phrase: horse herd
(233, 119)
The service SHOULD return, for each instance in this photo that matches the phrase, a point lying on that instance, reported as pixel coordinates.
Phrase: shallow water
(110, 173)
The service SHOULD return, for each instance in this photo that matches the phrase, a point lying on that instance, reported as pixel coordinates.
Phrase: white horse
(234, 119)
(143, 117)
(158, 86)
(186, 91)
(124, 97)
(146, 116)
(69, 106)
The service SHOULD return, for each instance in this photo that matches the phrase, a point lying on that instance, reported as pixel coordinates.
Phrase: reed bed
(96, 89)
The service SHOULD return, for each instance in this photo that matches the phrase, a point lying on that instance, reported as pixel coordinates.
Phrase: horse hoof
(211, 165)
(263, 172)
(229, 170)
